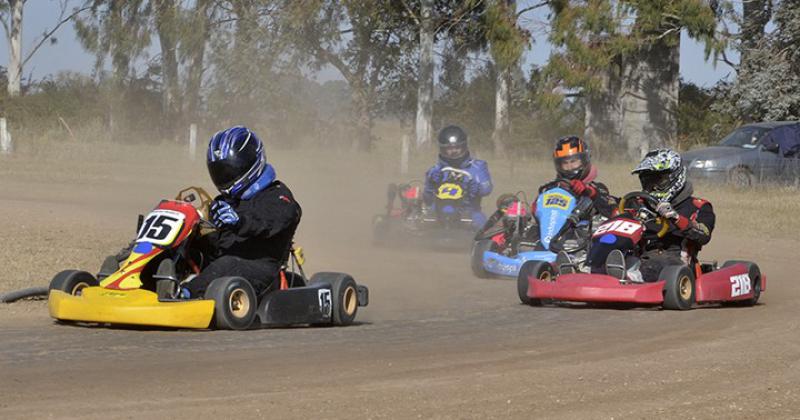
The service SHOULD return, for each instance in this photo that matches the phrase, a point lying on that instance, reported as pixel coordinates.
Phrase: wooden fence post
(6, 146)
(192, 141)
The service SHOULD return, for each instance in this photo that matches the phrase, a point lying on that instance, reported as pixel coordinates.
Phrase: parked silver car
(753, 153)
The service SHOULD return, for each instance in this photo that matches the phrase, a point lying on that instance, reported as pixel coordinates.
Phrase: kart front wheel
(344, 296)
(72, 281)
(679, 289)
(476, 257)
(234, 303)
(541, 270)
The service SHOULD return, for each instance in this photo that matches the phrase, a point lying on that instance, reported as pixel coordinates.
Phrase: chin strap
(266, 178)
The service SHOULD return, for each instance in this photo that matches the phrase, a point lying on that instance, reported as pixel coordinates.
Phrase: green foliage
(698, 123)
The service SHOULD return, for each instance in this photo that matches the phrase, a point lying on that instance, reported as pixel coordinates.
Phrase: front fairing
(553, 208)
(165, 229)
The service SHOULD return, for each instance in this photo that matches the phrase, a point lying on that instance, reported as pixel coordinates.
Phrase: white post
(6, 147)
(192, 141)
(404, 150)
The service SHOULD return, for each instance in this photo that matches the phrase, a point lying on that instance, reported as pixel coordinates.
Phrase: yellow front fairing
(450, 191)
(127, 277)
(135, 307)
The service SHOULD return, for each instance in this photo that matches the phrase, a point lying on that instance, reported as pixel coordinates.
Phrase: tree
(11, 19)
(507, 42)
(362, 39)
(623, 56)
(768, 84)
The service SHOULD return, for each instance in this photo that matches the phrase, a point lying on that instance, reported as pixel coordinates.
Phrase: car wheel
(72, 282)
(476, 257)
(755, 282)
(344, 296)
(741, 177)
(235, 303)
(679, 289)
(539, 269)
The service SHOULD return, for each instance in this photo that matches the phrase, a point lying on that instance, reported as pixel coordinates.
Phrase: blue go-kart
(511, 237)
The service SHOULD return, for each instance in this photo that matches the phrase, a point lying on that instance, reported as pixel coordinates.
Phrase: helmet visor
(571, 166)
(453, 151)
(655, 181)
(225, 173)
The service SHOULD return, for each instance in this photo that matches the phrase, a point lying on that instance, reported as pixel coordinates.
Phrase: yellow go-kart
(141, 290)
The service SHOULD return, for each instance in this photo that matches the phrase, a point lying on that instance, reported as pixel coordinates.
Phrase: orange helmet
(572, 157)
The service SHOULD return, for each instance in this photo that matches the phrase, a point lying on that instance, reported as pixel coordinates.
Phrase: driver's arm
(697, 226)
(430, 184)
(482, 178)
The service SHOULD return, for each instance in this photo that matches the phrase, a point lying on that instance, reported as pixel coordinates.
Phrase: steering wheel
(645, 209)
(201, 201)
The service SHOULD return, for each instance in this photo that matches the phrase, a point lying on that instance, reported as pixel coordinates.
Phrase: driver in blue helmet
(454, 153)
(255, 214)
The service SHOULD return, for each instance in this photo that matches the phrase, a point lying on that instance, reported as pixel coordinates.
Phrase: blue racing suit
(477, 187)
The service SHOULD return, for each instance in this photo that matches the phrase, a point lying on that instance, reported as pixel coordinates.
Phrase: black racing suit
(257, 246)
(679, 246)
(683, 240)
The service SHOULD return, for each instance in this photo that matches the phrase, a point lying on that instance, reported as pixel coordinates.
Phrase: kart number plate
(622, 227)
(450, 191)
(161, 227)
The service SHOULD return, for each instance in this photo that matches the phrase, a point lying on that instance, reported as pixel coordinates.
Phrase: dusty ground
(435, 342)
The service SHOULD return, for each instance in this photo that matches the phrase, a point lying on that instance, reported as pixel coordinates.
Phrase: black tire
(344, 296)
(741, 177)
(235, 303)
(72, 281)
(679, 290)
(755, 282)
(539, 269)
(476, 257)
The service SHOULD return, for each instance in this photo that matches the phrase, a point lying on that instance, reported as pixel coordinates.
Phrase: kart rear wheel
(72, 281)
(476, 257)
(541, 270)
(679, 290)
(755, 282)
(235, 303)
(344, 296)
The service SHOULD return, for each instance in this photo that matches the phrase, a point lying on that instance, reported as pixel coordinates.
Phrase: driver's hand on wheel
(580, 188)
(665, 210)
(438, 177)
(222, 214)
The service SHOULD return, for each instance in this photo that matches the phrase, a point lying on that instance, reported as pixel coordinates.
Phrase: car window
(747, 137)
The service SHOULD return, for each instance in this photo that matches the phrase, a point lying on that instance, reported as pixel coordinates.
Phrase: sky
(68, 55)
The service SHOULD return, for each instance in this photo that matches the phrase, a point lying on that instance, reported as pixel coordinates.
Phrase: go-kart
(142, 289)
(678, 287)
(509, 240)
(446, 225)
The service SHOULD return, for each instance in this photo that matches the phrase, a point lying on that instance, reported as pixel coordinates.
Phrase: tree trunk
(166, 19)
(649, 98)
(194, 77)
(15, 47)
(362, 139)
(755, 16)
(502, 117)
(425, 82)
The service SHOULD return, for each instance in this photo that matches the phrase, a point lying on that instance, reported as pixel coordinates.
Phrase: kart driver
(454, 153)
(256, 215)
(572, 159)
(691, 221)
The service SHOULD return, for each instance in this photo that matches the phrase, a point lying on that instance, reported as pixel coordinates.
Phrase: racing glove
(665, 210)
(437, 177)
(580, 188)
(222, 214)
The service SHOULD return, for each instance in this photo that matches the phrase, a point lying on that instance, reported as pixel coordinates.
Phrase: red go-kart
(677, 287)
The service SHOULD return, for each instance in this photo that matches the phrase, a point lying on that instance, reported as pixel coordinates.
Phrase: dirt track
(435, 342)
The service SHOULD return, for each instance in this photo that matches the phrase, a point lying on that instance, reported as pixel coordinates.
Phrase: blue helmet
(236, 162)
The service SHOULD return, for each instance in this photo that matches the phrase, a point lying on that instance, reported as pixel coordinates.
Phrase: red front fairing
(725, 285)
(595, 288)
(192, 217)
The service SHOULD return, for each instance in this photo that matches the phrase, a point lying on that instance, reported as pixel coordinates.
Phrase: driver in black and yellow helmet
(690, 222)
